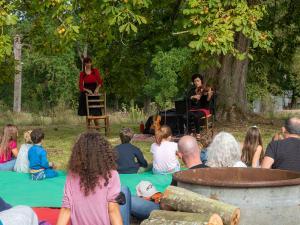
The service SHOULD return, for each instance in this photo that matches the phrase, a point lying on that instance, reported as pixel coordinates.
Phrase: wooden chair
(208, 125)
(97, 102)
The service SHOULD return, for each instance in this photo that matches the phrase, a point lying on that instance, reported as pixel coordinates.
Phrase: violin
(203, 90)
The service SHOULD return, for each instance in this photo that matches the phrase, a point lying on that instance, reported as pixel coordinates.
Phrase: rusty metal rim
(240, 184)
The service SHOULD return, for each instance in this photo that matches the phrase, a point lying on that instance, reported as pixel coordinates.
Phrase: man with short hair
(189, 153)
(285, 154)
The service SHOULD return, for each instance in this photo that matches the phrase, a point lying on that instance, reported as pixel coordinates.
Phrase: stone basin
(265, 197)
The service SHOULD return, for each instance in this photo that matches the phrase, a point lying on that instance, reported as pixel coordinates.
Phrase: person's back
(130, 158)
(92, 185)
(37, 157)
(286, 154)
(8, 147)
(22, 162)
(164, 157)
(39, 166)
(19, 215)
(84, 209)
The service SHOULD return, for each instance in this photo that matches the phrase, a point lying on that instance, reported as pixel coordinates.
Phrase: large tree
(224, 33)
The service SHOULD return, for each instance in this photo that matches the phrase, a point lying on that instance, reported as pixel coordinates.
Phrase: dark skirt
(82, 110)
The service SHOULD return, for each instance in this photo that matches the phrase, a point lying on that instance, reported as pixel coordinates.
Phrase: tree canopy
(148, 49)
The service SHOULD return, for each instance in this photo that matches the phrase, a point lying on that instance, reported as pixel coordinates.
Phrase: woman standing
(90, 82)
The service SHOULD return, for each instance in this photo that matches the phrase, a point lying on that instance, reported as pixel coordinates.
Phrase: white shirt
(240, 164)
(22, 162)
(19, 215)
(164, 156)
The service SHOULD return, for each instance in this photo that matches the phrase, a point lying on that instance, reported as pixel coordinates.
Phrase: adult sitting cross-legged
(285, 154)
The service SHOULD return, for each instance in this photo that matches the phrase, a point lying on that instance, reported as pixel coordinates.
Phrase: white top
(240, 164)
(164, 156)
(19, 215)
(22, 163)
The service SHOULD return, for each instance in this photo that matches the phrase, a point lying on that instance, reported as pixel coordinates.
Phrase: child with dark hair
(92, 184)
(39, 166)
(130, 158)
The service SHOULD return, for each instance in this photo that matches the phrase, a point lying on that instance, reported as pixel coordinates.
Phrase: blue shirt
(128, 154)
(37, 157)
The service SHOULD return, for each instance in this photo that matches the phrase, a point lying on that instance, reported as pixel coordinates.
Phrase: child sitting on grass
(39, 166)
(8, 147)
(22, 163)
(164, 152)
(130, 158)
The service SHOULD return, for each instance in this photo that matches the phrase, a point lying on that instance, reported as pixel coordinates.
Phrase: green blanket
(19, 189)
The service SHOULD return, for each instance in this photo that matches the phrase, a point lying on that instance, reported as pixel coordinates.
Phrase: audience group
(93, 193)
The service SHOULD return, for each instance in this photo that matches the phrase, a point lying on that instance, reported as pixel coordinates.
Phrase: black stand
(187, 99)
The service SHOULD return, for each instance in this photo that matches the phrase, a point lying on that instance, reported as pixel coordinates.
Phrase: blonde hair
(27, 137)
(10, 132)
(163, 133)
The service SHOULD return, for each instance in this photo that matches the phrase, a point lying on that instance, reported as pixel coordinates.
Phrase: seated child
(205, 141)
(130, 158)
(8, 147)
(39, 166)
(164, 152)
(252, 151)
(22, 163)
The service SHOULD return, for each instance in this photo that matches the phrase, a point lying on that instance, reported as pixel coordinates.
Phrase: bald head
(188, 146)
(292, 125)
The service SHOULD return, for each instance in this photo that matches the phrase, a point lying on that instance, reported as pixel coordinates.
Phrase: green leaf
(123, 27)
(237, 21)
(143, 19)
(133, 27)
(193, 44)
(11, 20)
(75, 29)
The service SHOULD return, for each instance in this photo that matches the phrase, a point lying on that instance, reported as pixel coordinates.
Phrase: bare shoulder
(259, 148)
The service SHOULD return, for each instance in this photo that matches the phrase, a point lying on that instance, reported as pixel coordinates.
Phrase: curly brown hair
(92, 158)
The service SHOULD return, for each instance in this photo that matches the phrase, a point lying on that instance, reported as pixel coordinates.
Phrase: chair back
(96, 101)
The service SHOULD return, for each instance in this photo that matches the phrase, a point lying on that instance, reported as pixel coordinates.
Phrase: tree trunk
(180, 199)
(18, 74)
(231, 94)
(294, 100)
(182, 218)
(147, 101)
(116, 104)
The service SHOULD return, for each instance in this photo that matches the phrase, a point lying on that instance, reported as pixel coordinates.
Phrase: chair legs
(97, 124)
(106, 124)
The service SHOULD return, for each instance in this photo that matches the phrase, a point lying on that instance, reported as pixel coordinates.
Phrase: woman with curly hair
(92, 184)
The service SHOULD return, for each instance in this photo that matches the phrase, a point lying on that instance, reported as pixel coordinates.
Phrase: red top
(93, 77)
(5, 158)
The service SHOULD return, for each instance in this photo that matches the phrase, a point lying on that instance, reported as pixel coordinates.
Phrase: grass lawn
(60, 135)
